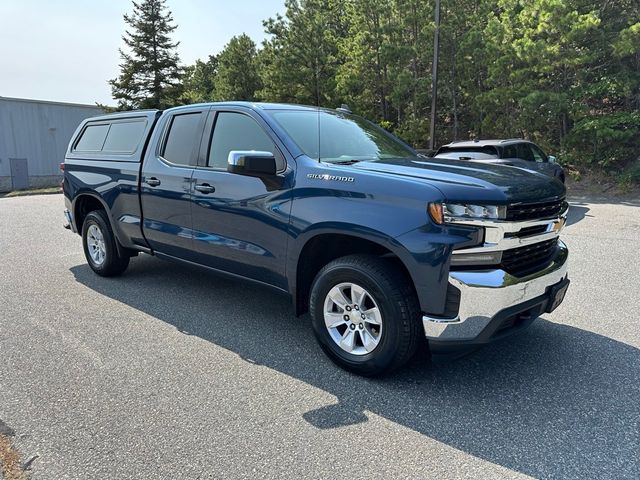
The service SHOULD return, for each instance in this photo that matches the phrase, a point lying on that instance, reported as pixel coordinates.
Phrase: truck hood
(460, 180)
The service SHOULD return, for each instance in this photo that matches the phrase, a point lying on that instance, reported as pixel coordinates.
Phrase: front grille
(528, 259)
(534, 211)
(527, 232)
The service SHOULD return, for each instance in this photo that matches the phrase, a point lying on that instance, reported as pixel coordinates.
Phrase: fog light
(466, 259)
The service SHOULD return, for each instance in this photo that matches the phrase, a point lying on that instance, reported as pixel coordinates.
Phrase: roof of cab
(253, 105)
(466, 155)
(123, 114)
(485, 143)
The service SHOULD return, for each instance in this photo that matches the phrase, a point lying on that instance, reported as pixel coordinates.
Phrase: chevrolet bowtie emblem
(557, 226)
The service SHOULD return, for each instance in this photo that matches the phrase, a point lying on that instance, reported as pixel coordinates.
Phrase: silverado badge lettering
(319, 176)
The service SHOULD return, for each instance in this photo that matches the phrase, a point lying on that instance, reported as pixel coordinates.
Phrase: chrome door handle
(152, 182)
(205, 188)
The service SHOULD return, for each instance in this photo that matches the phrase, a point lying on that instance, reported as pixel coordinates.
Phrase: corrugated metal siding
(38, 131)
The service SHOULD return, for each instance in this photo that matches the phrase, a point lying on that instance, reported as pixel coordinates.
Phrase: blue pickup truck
(385, 249)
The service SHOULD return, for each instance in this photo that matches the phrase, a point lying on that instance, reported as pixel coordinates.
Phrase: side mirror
(552, 159)
(251, 162)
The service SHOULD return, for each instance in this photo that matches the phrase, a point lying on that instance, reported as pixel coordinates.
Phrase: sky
(67, 50)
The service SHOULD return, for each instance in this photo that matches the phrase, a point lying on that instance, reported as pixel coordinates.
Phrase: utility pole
(434, 78)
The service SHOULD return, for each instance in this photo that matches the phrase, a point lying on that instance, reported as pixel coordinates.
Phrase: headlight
(442, 212)
(491, 212)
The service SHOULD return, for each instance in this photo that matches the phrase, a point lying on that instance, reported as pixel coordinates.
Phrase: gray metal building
(34, 136)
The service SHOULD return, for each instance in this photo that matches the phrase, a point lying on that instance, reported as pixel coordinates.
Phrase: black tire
(392, 291)
(114, 263)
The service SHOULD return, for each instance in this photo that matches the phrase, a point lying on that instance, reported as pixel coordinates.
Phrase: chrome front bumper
(484, 294)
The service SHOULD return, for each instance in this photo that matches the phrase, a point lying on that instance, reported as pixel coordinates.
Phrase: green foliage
(298, 63)
(150, 75)
(199, 81)
(628, 42)
(632, 174)
(607, 140)
(237, 75)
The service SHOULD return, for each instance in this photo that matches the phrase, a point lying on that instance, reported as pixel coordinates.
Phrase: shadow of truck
(545, 403)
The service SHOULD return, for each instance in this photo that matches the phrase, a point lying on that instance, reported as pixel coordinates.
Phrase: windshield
(338, 137)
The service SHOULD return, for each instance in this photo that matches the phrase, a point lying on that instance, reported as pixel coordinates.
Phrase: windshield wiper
(346, 162)
(351, 161)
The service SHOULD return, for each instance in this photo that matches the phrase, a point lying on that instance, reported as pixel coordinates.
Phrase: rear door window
(538, 154)
(525, 152)
(510, 152)
(183, 137)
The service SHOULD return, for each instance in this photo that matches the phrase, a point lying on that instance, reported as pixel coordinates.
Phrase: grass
(33, 191)
(10, 464)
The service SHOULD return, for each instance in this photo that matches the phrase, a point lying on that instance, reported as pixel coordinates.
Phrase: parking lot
(173, 372)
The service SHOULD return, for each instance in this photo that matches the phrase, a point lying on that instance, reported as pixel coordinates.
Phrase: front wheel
(100, 247)
(365, 314)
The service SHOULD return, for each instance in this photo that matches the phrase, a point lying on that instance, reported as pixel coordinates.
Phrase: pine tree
(199, 81)
(150, 73)
(237, 74)
(298, 63)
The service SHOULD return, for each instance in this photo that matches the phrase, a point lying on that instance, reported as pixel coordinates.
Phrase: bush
(610, 142)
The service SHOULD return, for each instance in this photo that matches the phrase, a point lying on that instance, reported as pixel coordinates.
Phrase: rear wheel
(365, 314)
(100, 248)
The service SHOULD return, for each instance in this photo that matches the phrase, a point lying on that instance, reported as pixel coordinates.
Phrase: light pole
(434, 78)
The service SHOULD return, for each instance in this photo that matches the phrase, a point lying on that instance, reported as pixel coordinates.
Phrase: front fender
(386, 210)
(425, 255)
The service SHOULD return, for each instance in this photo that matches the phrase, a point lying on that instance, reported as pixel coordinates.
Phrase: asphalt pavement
(173, 372)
